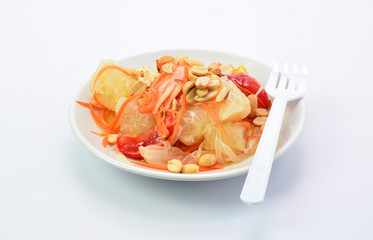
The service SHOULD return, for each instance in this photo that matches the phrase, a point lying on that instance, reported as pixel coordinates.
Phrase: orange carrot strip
(213, 167)
(107, 67)
(186, 71)
(101, 115)
(154, 166)
(100, 124)
(160, 124)
(106, 115)
(180, 115)
(145, 107)
(212, 114)
(192, 148)
(105, 141)
(102, 134)
(95, 106)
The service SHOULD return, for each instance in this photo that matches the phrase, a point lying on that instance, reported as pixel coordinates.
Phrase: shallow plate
(82, 123)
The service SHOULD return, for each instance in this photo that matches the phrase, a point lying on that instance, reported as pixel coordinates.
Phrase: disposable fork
(283, 86)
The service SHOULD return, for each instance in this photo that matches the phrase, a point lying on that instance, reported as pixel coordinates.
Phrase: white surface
(52, 188)
(82, 123)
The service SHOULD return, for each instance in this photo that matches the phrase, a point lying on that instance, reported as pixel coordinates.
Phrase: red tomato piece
(249, 85)
(129, 145)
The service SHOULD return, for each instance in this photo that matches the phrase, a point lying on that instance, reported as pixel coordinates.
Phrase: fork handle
(257, 179)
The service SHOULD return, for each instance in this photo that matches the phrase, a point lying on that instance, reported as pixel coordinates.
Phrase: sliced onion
(159, 155)
(179, 130)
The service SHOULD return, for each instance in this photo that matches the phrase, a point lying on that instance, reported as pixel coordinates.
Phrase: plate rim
(216, 175)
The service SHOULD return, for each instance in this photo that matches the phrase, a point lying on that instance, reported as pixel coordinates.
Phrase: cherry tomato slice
(129, 145)
(249, 85)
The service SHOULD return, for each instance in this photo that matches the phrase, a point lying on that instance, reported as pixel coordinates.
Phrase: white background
(51, 187)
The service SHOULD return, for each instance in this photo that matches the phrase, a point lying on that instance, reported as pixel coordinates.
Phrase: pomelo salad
(180, 116)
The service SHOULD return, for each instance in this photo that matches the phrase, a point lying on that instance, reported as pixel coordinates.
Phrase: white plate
(82, 123)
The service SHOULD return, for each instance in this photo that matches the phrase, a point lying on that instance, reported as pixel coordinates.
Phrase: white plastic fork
(283, 87)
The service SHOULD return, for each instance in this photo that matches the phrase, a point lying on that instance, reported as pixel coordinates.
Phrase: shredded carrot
(99, 134)
(87, 105)
(106, 115)
(192, 148)
(101, 115)
(212, 114)
(154, 166)
(213, 167)
(162, 90)
(105, 141)
(186, 71)
(160, 124)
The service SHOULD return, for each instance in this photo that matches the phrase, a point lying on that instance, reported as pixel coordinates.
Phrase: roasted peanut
(226, 69)
(194, 62)
(191, 76)
(180, 59)
(112, 138)
(137, 88)
(190, 168)
(213, 84)
(261, 112)
(190, 97)
(188, 86)
(174, 165)
(210, 95)
(148, 75)
(223, 95)
(207, 160)
(166, 59)
(199, 70)
(214, 77)
(259, 121)
(202, 92)
(253, 102)
(202, 82)
(215, 69)
(167, 67)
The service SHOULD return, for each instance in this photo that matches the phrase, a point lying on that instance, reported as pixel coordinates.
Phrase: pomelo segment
(112, 84)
